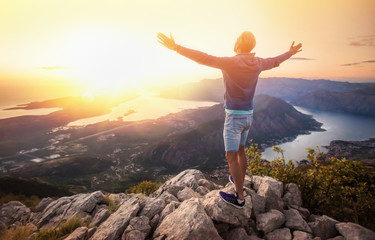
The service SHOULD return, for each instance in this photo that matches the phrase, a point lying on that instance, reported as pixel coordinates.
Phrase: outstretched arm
(269, 63)
(197, 56)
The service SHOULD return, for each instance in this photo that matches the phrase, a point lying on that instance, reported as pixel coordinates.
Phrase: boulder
(271, 190)
(187, 178)
(43, 204)
(258, 202)
(114, 226)
(168, 198)
(62, 209)
(324, 227)
(221, 211)
(354, 231)
(208, 184)
(138, 229)
(188, 221)
(292, 195)
(100, 217)
(295, 221)
(186, 194)
(238, 233)
(299, 235)
(168, 210)
(279, 234)
(13, 212)
(269, 221)
(202, 190)
(151, 206)
(78, 234)
(276, 186)
(305, 213)
(337, 238)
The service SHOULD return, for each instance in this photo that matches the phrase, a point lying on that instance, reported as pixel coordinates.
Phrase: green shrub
(145, 187)
(340, 188)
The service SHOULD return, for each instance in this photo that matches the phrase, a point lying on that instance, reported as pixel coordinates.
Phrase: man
(240, 74)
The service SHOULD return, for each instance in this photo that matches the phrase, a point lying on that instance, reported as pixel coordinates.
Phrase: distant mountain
(359, 101)
(201, 147)
(285, 88)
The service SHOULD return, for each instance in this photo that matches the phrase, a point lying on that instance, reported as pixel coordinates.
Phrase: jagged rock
(218, 210)
(258, 202)
(188, 221)
(154, 222)
(324, 227)
(114, 226)
(269, 221)
(292, 195)
(186, 194)
(151, 206)
(271, 190)
(13, 212)
(337, 238)
(119, 198)
(317, 238)
(168, 198)
(305, 213)
(279, 234)
(78, 234)
(295, 221)
(299, 235)
(221, 227)
(91, 232)
(208, 184)
(238, 233)
(100, 217)
(202, 190)
(168, 209)
(79, 205)
(187, 178)
(43, 204)
(138, 229)
(354, 231)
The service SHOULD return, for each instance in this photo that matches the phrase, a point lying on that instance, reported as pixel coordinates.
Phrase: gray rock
(100, 217)
(78, 234)
(13, 212)
(202, 190)
(168, 210)
(168, 198)
(337, 238)
(43, 204)
(138, 229)
(62, 209)
(354, 231)
(208, 184)
(151, 206)
(221, 211)
(186, 194)
(292, 195)
(305, 213)
(324, 227)
(269, 221)
(299, 235)
(279, 234)
(238, 233)
(119, 198)
(187, 178)
(115, 225)
(271, 190)
(295, 221)
(91, 232)
(258, 202)
(154, 222)
(188, 221)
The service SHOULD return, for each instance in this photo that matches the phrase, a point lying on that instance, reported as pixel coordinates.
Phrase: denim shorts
(236, 129)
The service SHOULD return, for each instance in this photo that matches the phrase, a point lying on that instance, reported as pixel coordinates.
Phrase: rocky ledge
(187, 206)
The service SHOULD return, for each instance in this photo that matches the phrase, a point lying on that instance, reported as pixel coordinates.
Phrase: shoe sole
(234, 205)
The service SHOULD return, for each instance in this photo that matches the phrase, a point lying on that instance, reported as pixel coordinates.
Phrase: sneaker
(231, 199)
(231, 179)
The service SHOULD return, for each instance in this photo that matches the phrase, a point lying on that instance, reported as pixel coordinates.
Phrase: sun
(88, 97)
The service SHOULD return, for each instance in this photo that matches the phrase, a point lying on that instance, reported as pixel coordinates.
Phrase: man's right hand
(295, 49)
(167, 42)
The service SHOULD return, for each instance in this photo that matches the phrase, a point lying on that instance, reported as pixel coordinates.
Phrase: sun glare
(88, 97)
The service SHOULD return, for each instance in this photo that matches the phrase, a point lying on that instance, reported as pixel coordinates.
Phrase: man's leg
(236, 172)
(242, 162)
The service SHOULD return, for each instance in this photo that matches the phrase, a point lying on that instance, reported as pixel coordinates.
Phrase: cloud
(358, 63)
(363, 41)
(55, 67)
(300, 58)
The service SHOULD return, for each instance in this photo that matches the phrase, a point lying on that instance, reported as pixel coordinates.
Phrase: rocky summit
(187, 206)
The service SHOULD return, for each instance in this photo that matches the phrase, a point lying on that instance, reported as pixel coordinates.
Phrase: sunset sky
(111, 44)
